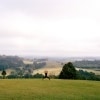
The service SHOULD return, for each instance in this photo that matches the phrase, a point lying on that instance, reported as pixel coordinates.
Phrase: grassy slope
(53, 67)
(37, 89)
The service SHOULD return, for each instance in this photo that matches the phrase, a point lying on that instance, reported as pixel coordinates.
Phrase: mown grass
(38, 89)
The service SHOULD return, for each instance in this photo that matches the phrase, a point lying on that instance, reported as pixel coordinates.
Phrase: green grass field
(37, 89)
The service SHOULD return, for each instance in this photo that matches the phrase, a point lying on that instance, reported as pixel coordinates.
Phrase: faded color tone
(50, 27)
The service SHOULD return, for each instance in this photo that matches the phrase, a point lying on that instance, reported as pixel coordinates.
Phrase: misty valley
(29, 67)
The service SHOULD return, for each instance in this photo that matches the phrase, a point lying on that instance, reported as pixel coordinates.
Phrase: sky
(55, 28)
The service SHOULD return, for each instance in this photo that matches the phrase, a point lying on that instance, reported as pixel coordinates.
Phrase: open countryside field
(54, 68)
(38, 89)
(51, 71)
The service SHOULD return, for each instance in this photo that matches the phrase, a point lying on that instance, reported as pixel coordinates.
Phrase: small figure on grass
(46, 75)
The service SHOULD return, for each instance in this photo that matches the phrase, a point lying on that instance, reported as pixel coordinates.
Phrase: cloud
(50, 27)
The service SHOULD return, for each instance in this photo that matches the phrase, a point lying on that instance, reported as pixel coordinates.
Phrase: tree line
(88, 64)
(68, 72)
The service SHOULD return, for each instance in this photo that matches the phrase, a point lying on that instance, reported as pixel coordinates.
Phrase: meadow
(54, 89)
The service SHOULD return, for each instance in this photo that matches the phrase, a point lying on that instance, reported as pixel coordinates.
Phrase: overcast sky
(50, 27)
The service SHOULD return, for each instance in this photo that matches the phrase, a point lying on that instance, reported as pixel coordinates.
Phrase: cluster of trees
(84, 75)
(10, 62)
(14, 62)
(15, 76)
(38, 65)
(21, 69)
(87, 64)
(12, 76)
(69, 72)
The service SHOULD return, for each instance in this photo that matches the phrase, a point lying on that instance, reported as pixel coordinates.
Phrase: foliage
(3, 73)
(84, 75)
(10, 62)
(38, 75)
(3, 66)
(27, 75)
(68, 71)
(87, 64)
(29, 66)
(12, 76)
(38, 65)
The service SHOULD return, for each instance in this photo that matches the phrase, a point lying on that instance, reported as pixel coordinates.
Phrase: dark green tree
(37, 75)
(3, 73)
(20, 73)
(68, 71)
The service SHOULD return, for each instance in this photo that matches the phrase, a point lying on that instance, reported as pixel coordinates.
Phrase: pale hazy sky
(50, 27)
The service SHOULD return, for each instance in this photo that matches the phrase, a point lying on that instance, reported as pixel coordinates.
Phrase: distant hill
(88, 64)
(39, 65)
(10, 62)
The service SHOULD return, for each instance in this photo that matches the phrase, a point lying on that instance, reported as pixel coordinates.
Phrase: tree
(13, 74)
(3, 73)
(37, 75)
(20, 73)
(68, 71)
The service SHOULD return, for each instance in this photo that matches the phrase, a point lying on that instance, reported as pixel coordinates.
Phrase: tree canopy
(3, 73)
(68, 71)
